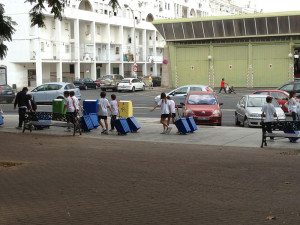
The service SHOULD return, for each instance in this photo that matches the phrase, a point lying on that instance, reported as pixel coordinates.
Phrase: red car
(204, 107)
(280, 96)
(98, 82)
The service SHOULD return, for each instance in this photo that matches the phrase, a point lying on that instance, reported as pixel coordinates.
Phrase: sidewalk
(151, 128)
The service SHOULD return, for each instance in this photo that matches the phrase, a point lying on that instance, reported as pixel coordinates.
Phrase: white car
(131, 84)
(248, 110)
(179, 94)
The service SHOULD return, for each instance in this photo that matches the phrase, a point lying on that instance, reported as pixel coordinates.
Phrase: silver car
(179, 94)
(46, 93)
(248, 110)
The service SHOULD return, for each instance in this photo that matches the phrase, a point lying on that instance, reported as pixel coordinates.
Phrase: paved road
(64, 180)
(143, 101)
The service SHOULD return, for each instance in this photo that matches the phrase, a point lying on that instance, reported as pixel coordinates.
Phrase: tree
(37, 18)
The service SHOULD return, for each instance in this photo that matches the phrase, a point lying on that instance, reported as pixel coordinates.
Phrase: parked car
(248, 110)
(156, 80)
(98, 82)
(46, 93)
(280, 96)
(131, 84)
(7, 94)
(179, 94)
(204, 107)
(85, 83)
(291, 86)
(111, 82)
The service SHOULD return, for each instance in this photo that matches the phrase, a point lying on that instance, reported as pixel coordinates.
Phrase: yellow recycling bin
(126, 109)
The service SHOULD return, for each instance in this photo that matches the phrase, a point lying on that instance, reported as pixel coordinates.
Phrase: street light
(134, 47)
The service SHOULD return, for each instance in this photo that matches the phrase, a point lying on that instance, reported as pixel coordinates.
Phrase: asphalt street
(143, 101)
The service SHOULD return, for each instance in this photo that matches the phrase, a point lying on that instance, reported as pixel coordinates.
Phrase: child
(269, 111)
(115, 111)
(32, 104)
(70, 107)
(165, 112)
(76, 101)
(103, 105)
(293, 105)
(173, 110)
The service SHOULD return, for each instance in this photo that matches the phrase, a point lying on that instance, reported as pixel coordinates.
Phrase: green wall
(238, 63)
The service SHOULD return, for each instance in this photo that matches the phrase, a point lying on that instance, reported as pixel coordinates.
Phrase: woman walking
(165, 106)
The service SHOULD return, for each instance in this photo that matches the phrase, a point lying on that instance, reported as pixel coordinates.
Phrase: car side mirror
(242, 105)
(173, 93)
(181, 103)
(221, 103)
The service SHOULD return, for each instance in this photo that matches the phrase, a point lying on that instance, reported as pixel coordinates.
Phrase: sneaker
(105, 132)
(164, 132)
(169, 130)
(19, 128)
(111, 130)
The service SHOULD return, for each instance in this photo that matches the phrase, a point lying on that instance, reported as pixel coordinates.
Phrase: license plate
(203, 118)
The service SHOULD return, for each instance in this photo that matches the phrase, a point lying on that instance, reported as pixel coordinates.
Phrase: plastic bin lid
(58, 100)
(90, 100)
(124, 101)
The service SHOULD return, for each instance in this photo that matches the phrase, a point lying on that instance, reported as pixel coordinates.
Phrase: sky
(278, 5)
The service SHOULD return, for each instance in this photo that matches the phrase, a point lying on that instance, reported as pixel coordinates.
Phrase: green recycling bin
(58, 105)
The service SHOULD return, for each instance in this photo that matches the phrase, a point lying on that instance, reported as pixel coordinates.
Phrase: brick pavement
(67, 180)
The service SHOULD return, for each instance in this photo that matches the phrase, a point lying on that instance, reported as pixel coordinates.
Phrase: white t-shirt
(76, 102)
(114, 107)
(69, 104)
(269, 111)
(173, 108)
(104, 103)
(293, 105)
(164, 106)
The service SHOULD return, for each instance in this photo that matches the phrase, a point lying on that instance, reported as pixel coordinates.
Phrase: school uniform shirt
(164, 106)
(104, 103)
(293, 105)
(269, 111)
(70, 105)
(76, 102)
(173, 106)
(114, 107)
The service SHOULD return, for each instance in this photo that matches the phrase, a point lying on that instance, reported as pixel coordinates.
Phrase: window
(261, 93)
(117, 50)
(70, 86)
(53, 87)
(67, 48)
(42, 46)
(279, 95)
(297, 88)
(242, 101)
(182, 90)
(66, 26)
(98, 29)
(202, 100)
(88, 29)
(41, 88)
(195, 88)
(287, 88)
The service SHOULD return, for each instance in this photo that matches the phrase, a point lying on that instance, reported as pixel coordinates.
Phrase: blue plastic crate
(133, 124)
(90, 106)
(190, 120)
(94, 118)
(182, 126)
(1, 120)
(122, 126)
(86, 123)
(40, 127)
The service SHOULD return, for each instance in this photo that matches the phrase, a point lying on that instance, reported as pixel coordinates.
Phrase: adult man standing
(223, 86)
(22, 102)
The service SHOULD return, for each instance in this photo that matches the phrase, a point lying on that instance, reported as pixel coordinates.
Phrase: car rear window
(5, 87)
(125, 81)
(70, 86)
(108, 77)
(202, 100)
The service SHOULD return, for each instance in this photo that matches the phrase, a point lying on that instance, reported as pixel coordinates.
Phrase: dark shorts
(102, 117)
(173, 115)
(164, 116)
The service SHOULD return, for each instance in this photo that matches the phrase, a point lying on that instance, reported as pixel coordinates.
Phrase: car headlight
(216, 112)
(190, 112)
(255, 115)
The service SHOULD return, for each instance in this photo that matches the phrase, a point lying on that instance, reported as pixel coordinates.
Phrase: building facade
(91, 40)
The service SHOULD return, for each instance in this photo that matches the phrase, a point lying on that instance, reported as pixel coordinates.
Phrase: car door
(297, 89)
(39, 93)
(52, 92)
(288, 88)
(280, 98)
(179, 94)
(240, 108)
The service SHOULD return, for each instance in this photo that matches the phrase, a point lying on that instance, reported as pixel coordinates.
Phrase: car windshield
(202, 100)
(5, 87)
(259, 102)
(107, 77)
(125, 81)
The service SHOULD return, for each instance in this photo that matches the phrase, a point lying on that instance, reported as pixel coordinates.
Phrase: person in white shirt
(103, 106)
(70, 108)
(165, 106)
(173, 110)
(293, 105)
(115, 111)
(76, 100)
(269, 112)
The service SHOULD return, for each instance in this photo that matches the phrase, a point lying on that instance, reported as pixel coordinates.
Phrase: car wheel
(246, 122)
(237, 122)
(143, 89)
(85, 87)
(133, 89)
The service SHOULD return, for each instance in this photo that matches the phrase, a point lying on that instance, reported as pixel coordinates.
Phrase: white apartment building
(91, 40)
